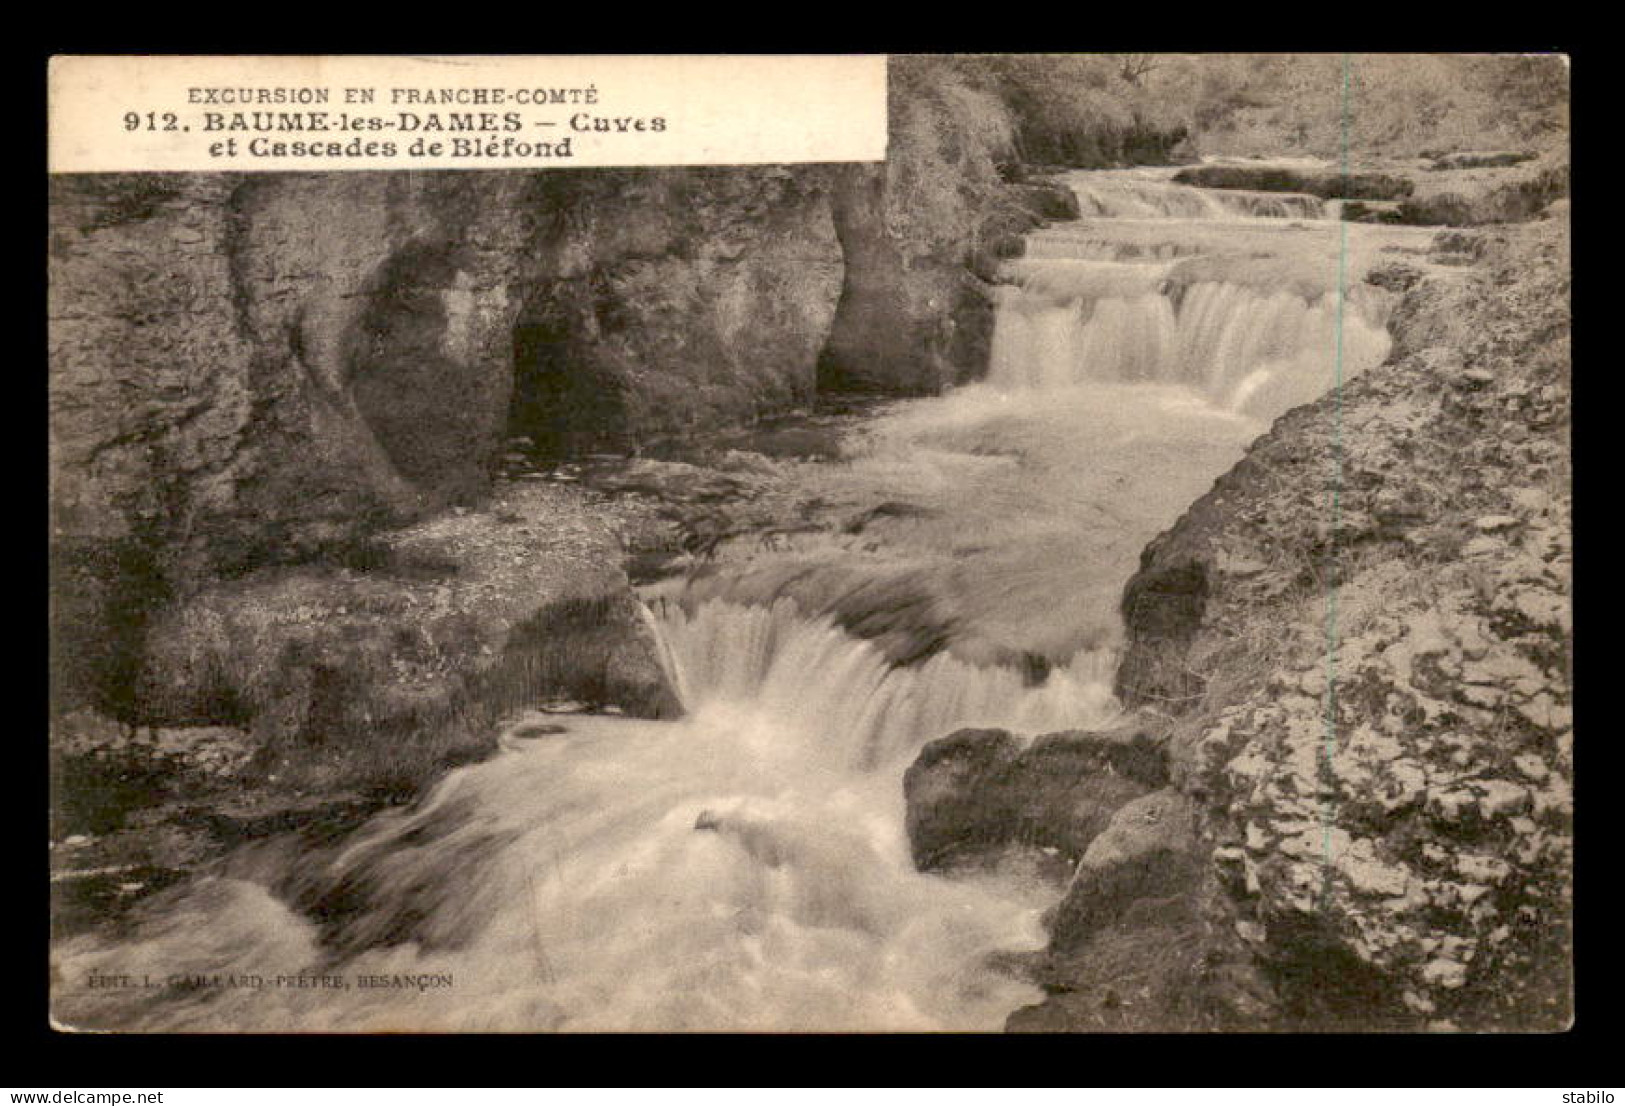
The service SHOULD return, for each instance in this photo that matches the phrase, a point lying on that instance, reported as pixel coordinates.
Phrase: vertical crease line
(1330, 747)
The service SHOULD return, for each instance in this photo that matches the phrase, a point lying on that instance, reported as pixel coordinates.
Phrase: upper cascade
(1246, 350)
(1143, 198)
(1251, 300)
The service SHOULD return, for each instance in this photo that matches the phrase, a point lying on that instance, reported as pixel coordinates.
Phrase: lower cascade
(746, 867)
(741, 869)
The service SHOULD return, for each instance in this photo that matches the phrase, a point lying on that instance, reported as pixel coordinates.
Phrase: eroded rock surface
(921, 235)
(667, 301)
(260, 367)
(1362, 639)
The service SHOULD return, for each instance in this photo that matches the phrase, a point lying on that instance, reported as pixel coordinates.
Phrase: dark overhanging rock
(1496, 160)
(562, 403)
(1326, 185)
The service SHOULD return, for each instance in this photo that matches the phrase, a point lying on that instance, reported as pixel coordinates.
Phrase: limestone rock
(981, 789)
(1146, 855)
(1386, 798)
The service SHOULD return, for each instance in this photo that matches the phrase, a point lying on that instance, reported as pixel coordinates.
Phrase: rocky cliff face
(222, 349)
(254, 367)
(921, 236)
(670, 300)
(1358, 644)
(269, 370)
(251, 371)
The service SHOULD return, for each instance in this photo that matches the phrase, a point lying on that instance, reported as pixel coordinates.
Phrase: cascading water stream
(741, 869)
(1143, 194)
(1219, 291)
(746, 867)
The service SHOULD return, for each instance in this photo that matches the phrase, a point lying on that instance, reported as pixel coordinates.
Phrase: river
(746, 867)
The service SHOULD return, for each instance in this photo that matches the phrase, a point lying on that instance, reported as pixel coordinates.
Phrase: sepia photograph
(1047, 543)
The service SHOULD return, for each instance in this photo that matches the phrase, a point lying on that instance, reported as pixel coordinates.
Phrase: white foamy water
(744, 868)
(1254, 300)
(1144, 193)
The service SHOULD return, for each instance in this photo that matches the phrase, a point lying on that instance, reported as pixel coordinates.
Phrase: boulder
(1132, 947)
(980, 790)
(1138, 871)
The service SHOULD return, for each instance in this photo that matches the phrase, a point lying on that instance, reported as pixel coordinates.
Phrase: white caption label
(264, 114)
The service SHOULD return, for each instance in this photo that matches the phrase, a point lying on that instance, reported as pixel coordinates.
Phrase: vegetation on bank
(1099, 110)
(1367, 105)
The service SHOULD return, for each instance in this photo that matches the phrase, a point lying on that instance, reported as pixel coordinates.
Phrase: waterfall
(743, 868)
(1172, 284)
(1245, 349)
(1127, 196)
(849, 706)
